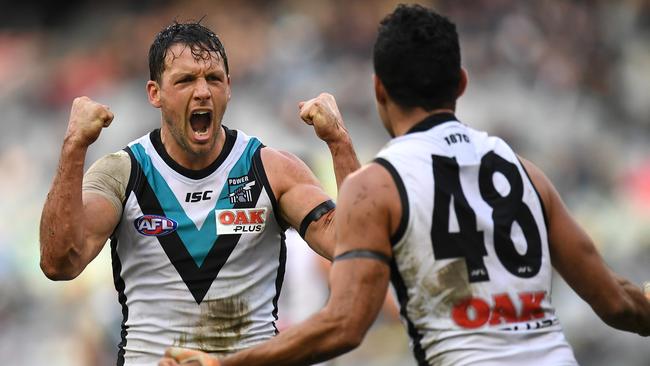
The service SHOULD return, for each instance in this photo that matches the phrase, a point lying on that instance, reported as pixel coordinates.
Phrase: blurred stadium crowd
(567, 83)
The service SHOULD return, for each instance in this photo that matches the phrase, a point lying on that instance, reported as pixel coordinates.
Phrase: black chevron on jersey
(197, 278)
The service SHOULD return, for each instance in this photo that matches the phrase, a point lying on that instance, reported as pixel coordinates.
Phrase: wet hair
(203, 43)
(417, 58)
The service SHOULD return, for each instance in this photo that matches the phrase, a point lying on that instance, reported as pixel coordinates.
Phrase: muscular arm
(368, 212)
(616, 301)
(298, 192)
(295, 186)
(73, 228)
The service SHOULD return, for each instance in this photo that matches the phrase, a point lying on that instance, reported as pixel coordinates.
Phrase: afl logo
(154, 225)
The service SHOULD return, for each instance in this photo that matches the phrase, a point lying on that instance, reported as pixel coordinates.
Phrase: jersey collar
(231, 136)
(432, 121)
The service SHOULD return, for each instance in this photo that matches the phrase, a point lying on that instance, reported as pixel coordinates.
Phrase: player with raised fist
(467, 231)
(195, 211)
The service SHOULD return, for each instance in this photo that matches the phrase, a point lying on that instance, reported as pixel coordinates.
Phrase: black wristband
(314, 215)
(363, 253)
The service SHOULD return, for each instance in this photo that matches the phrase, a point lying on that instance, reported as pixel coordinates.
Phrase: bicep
(100, 220)
(103, 193)
(363, 225)
(368, 211)
(298, 193)
(303, 192)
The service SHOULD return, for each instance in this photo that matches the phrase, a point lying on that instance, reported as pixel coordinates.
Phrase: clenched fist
(87, 118)
(322, 113)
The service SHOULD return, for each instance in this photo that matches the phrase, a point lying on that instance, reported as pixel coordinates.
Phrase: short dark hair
(417, 58)
(202, 42)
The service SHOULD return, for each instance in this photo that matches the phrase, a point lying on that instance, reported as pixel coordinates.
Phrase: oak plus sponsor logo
(154, 225)
(501, 311)
(240, 221)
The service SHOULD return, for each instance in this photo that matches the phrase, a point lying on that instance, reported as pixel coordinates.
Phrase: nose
(201, 90)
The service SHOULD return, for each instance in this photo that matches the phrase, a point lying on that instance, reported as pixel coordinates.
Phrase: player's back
(471, 263)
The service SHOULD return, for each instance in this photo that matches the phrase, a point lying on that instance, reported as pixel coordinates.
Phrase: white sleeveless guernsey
(471, 265)
(198, 256)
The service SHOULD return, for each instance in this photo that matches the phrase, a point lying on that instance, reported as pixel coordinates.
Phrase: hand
(179, 356)
(322, 113)
(87, 118)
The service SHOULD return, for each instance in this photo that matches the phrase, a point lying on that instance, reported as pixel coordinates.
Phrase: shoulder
(275, 156)
(116, 165)
(108, 177)
(372, 175)
(283, 164)
(369, 201)
(372, 184)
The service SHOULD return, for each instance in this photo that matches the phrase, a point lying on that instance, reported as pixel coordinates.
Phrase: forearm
(320, 338)
(344, 158)
(61, 229)
(358, 288)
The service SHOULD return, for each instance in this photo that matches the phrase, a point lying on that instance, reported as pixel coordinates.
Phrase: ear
(462, 84)
(380, 91)
(153, 92)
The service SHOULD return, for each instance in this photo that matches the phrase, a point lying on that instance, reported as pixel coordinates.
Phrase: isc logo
(197, 196)
(240, 221)
(154, 225)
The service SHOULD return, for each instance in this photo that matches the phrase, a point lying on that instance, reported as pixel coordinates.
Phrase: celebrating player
(467, 231)
(196, 211)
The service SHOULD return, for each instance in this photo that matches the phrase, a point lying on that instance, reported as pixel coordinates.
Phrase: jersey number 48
(507, 209)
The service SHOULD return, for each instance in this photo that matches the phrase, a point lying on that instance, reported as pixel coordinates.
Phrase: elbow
(350, 333)
(58, 271)
(615, 311)
(350, 340)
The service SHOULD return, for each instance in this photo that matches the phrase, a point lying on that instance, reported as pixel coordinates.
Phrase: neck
(403, 120)
(192, 157)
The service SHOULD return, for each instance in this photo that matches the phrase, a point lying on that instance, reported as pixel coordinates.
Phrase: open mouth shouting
(201, 123)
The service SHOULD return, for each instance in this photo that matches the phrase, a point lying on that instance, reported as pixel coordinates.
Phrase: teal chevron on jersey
(197, 241)
(190, 272)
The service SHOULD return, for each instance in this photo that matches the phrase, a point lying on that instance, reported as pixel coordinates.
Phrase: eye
(184, 79)
(213, 77)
